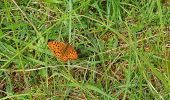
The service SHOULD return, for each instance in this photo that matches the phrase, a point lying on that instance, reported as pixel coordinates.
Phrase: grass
(123, 49)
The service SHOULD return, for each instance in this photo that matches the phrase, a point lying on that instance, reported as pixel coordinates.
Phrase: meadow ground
(123, 49)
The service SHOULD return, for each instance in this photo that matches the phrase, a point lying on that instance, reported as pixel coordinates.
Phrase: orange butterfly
(63, 51)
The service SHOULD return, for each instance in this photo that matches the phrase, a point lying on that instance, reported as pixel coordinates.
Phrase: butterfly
(63, 51)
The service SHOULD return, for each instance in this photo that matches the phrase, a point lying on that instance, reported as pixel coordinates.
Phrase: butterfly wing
(57, 48)
(71, 53)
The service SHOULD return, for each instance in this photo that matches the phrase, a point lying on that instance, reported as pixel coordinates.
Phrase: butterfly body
(63, 51)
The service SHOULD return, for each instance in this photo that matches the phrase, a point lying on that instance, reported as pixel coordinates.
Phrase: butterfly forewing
(56, 47)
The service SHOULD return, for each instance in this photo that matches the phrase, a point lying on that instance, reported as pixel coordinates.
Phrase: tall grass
(123, 49)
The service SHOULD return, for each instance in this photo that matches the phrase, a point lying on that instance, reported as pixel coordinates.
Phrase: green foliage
(123, 49)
